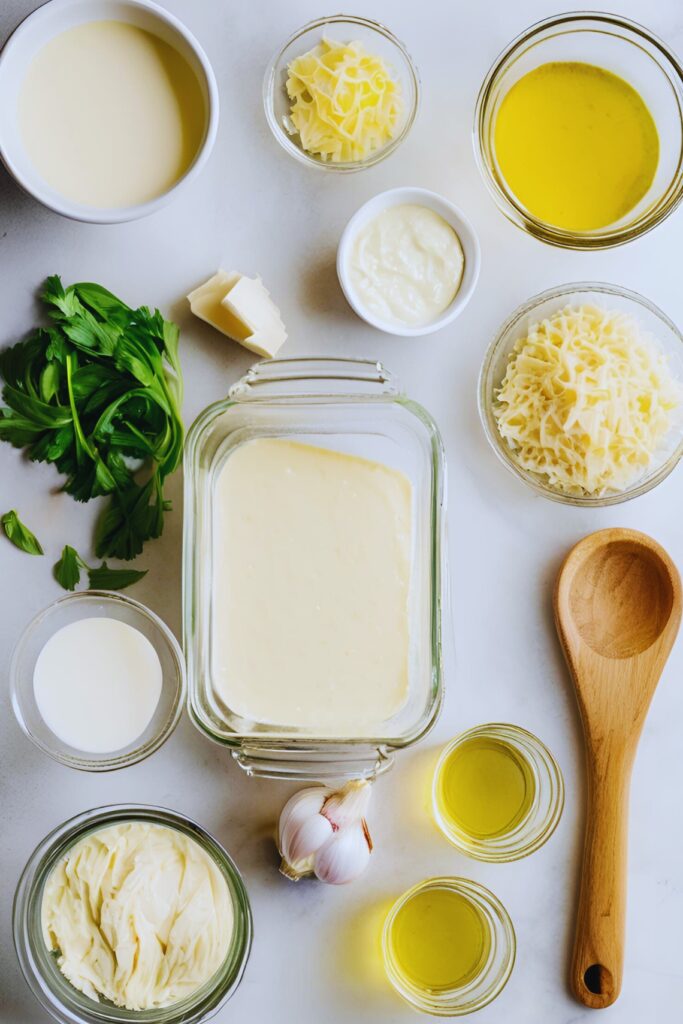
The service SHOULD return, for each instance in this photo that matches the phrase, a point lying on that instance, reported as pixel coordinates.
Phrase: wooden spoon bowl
(617, 610)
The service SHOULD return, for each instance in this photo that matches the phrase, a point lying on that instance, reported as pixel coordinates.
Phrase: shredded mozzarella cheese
(587, 401)
(346, 105)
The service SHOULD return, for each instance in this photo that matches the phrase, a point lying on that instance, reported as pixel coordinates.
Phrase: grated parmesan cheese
(345, 105)
(587, 401)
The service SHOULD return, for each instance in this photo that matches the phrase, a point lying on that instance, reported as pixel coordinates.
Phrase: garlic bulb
(324, 832)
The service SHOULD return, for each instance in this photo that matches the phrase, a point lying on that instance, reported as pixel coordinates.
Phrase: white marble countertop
(315, 952)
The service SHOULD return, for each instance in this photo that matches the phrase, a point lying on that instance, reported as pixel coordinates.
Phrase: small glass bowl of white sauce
(135, 643)
(408, 262)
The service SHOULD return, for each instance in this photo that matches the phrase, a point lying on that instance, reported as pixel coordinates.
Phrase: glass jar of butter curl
(39, 964)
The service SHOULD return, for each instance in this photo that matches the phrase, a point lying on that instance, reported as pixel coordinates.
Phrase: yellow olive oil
(576, 144)
(484, 788)
(439, 940)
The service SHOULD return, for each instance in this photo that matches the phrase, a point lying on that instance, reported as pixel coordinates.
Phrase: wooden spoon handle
(599, 944)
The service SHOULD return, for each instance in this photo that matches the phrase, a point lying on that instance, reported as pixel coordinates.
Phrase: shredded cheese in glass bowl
(341, 94)
(345, 103)
(581, 394)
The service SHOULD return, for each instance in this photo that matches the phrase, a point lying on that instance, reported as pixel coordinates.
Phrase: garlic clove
(301, 806)
(344, 856)
(302, 831)
(303, 841)
(348, 805)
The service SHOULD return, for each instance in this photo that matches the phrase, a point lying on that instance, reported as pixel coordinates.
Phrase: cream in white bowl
(408, 262)
(106, 107)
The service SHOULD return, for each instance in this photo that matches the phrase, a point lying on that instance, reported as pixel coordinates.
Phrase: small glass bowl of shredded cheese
(581, 394)
(341, 94)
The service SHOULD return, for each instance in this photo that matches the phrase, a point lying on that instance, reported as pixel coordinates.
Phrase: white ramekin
(39, 28)
(452, 215)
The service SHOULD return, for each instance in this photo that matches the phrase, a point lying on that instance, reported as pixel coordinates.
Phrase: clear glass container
(542, 814)
(353, 406)
(624, 48)
(97, 604)
(493, 971)
(39, 965)
(651, 320)
(377, 40)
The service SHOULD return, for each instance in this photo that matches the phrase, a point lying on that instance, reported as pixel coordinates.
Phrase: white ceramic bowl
(39, 28)
(452, 215)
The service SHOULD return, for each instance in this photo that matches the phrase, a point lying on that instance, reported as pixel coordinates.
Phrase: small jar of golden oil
(498, 792)
(449, 946)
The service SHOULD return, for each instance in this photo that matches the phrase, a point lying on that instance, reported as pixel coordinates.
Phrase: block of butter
(241, 308)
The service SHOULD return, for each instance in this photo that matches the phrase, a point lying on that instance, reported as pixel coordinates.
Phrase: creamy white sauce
(97, 683)
(111, 116)
(138, 913)
(406, 265)
(312, 563)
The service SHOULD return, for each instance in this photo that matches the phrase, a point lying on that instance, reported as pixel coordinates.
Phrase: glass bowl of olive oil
(578, 130)
(498, 792)
(449, 946)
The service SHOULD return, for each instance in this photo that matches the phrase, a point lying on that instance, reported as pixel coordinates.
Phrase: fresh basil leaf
(126, 523)
(87, 381)
(102, 302)
(57, 347)
(40, 412)
(104, 578)
(67, 570)
(50, 380)
(20, 535)
(19, 430)
(65, 303)
(51, 445)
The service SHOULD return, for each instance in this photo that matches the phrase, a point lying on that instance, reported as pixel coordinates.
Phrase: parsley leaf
(20, 535)
(99, 387)
(67, 570)
(104, 578)
(101, 577)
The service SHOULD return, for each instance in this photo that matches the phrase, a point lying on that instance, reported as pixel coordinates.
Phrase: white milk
(97, 683)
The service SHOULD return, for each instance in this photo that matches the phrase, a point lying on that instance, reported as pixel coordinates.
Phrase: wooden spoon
(618, 609)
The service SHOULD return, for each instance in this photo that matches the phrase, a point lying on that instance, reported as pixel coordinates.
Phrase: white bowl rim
(453, 215)
(116, 215)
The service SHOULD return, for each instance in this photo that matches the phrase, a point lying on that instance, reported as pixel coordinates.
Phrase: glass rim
(606, 238)
(114, 760)
(287, 142)
(512, 846)
(485, 398)
(421, 998)
(77, 1007)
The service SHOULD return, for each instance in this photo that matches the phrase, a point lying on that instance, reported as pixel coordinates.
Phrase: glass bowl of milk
(313, 569)
(107, 108)
(97, 681)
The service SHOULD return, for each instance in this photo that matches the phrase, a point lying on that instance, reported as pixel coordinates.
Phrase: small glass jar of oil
(449, 946)
(498, 792)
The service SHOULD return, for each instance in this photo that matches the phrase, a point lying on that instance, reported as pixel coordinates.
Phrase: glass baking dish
(351, 406)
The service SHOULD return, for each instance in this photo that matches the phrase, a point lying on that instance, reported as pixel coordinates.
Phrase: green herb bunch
(98, 393)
